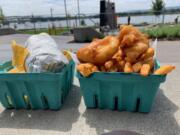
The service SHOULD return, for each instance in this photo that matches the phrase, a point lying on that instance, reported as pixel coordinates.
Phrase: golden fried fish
(99, 51)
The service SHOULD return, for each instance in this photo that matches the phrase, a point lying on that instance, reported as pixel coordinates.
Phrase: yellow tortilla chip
(67, 54)
(16, 70)
(19, 56)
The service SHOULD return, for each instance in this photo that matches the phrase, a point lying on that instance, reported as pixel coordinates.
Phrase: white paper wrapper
(44, 55)
(154, 45)
(74, 58)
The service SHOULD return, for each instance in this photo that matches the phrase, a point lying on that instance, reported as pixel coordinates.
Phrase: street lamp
(78, 11)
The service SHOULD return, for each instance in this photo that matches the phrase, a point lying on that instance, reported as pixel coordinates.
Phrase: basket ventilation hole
(27, 101)
(9, 100)
(62, 98)
(116, 103)
(96, 101)
(45, 101)
(137, 104)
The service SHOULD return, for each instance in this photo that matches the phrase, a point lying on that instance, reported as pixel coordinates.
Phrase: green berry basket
(120, 91)
(34, 90)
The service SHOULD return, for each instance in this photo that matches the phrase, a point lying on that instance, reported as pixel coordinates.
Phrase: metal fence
(72, 21)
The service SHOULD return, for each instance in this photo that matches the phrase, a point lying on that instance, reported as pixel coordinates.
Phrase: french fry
(137, 66)
(102, 68)
(113, 69)
(145, 70)
(87, 69)
(149, 61)
(109, 64)
(128, 68)
(121, 65)
(163, 70)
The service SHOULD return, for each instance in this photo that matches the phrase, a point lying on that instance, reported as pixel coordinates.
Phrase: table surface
(75, 119)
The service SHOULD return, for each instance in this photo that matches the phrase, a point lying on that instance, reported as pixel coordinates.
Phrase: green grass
(57, 31)
(160, 31)
(163, 31)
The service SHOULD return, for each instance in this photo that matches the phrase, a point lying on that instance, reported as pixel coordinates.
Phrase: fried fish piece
(99, 51)
(129, 40)
(130, 60)
(87, 69)
(132, 56)
(118, 56)
(130, 35)
(138, 48)
(149, 53)
(133, 53)
(163, 70)
(125, 30)
(95, 39)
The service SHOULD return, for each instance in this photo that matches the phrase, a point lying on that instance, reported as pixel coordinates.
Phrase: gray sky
(39, 7)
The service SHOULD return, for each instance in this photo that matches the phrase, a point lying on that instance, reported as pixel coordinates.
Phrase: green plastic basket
(120, 91)
(34, 90)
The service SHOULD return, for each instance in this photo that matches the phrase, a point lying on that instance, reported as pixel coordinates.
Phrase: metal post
(76, 21)
(163, 17)
(51, 10)
(66, 14)
(34, 23)
(78, 11)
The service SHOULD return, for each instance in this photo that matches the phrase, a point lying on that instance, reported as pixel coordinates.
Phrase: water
(90, 22)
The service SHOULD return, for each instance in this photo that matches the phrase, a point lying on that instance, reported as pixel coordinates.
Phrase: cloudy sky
(42, 7)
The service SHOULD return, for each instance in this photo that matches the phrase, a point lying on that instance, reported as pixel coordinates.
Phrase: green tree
(1, 15)
(158, 6)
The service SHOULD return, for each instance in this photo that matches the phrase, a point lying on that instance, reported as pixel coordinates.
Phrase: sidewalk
(75, 119)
